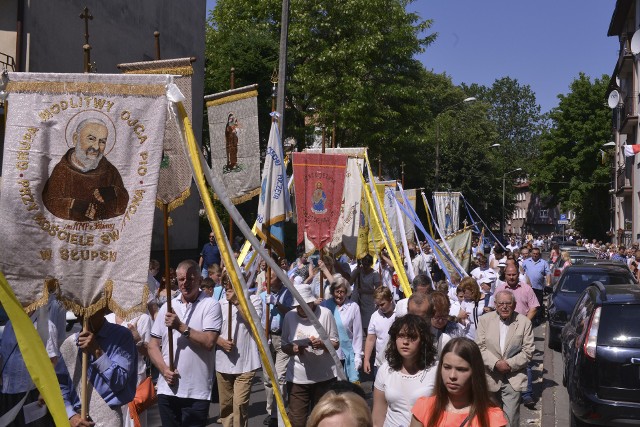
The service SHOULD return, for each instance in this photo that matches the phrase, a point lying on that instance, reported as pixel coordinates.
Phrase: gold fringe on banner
(53, 286)
(244, 198)
(176, 203)
(232, 98)
(87, 88)
(181, 71)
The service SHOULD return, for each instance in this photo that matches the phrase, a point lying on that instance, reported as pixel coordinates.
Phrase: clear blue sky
(541, 43)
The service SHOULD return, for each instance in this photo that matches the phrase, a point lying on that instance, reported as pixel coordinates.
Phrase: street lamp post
(437, 168)
(504, 177)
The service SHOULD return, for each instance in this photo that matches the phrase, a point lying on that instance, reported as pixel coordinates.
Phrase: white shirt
(379, 326)
(472, 313)
(352, 322)
(312, 366)
(194, 363)
(402, 307)
(244, 356)
(402, 390)
(504, 328)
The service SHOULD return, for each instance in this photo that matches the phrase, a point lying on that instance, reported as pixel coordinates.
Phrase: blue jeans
(180, 411)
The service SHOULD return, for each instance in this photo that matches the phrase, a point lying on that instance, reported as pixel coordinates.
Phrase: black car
(601, 353)
(572, 282)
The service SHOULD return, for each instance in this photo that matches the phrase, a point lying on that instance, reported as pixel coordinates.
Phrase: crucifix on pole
(86, 15)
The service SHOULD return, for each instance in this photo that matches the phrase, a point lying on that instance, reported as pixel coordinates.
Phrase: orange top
(423, 407)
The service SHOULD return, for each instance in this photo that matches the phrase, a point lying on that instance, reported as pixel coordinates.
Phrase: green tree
(568, 171)
(517, 118)
(350, 61)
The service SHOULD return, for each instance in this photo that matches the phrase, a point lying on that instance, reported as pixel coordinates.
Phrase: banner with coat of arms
(80, 171)
(318, 184)
(235, 143)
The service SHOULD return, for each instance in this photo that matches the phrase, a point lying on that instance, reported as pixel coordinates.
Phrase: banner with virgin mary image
(81, 162)
(318, 182)
(234, 140)
(447, 205)
(345, 235)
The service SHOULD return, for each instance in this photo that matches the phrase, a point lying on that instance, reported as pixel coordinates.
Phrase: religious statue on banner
(318, 197)
(231, 141)
(84, 185)
(448, 222)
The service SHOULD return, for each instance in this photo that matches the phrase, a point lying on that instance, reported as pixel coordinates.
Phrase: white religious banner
(174, 183)
(234, 140)
(460, 245)
(345, 236)
(447, 206)
(386, 192)
(81, 162)
(409, 227)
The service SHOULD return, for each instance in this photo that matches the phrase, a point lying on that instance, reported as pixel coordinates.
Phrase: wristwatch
(186, 332)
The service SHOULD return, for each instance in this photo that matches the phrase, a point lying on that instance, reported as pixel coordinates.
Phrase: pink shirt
(525, 297)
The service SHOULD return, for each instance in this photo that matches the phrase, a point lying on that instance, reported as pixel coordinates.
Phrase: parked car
(573, 281)
(601, 354)
(573, 248)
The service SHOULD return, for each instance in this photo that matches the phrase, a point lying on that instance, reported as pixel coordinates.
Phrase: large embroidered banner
(174, 183)
(318, 182)
(235, 143)
(460, 244)
(447, 205)
(345, 235)
(81, 163)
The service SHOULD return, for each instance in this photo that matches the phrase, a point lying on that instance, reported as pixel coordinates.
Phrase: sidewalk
(555, 400)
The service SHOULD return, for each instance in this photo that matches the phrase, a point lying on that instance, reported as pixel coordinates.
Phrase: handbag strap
(465, 421)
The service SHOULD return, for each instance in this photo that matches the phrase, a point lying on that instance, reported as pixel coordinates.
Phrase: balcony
(623, 182)
(629, 115)
(7, 62)
(625, 60)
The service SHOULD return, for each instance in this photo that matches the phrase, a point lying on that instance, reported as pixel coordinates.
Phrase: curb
(548, 399)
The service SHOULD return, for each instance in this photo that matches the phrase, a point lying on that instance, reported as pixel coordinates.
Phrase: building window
(544, 213)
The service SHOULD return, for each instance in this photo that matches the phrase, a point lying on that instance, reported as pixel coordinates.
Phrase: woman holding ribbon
(349, 323)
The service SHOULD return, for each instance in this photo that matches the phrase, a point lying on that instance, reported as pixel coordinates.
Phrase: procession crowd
(457, 352)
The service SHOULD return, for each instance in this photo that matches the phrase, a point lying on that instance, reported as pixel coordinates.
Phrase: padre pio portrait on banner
(84, 185)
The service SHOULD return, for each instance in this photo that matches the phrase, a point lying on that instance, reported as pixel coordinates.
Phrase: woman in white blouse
(349, 323)
(408, 373)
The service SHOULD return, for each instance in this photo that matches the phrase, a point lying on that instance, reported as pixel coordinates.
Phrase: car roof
(621, 294)
(597, 266)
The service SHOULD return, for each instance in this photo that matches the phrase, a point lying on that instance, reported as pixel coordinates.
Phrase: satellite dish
(614, 99)
(635, 43)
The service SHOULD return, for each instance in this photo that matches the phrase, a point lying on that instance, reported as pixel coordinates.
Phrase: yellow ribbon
(227, 256)
(34, 354)
(396, 264)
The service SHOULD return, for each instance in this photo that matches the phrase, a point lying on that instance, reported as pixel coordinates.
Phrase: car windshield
(576, 282)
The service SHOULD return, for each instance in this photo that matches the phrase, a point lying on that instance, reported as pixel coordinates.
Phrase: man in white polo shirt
(184, 392)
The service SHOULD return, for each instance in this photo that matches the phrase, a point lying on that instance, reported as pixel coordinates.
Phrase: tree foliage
(568, 170)
(517, 117)
(351, 61)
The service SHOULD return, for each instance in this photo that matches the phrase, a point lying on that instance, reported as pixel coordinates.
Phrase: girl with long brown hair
(462, 398)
